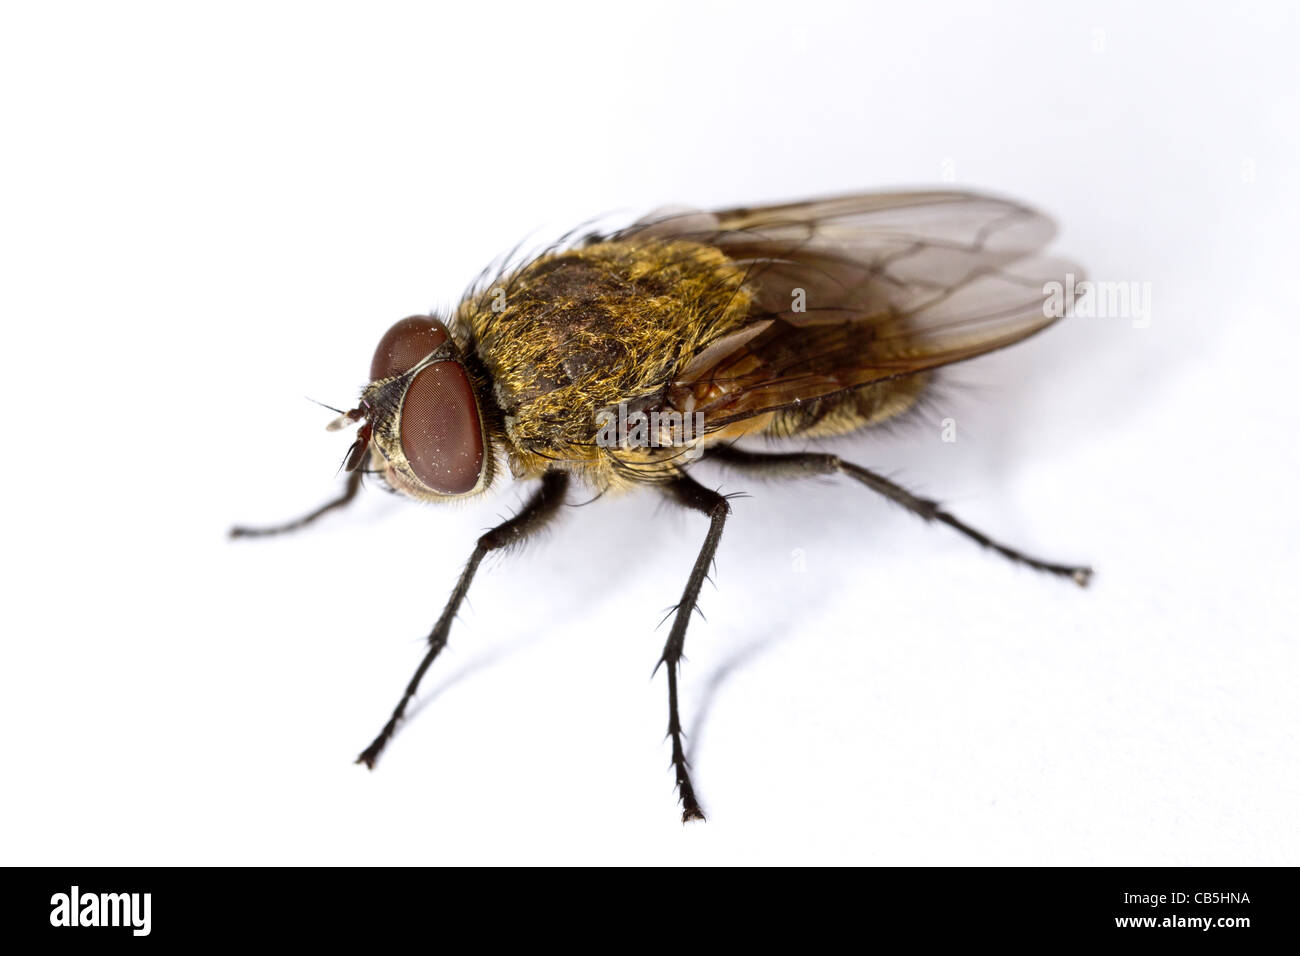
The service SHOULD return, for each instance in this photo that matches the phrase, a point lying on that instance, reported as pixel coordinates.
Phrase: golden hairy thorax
(576, 332)
(586, 329)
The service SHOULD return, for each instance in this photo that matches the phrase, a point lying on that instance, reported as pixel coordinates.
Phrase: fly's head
(421, 420)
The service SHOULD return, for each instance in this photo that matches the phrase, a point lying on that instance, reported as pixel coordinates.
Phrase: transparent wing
(858, 289)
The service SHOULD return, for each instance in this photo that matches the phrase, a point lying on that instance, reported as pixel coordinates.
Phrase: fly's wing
(860, 289)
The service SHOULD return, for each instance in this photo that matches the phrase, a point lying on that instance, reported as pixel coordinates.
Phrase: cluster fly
(618, 360)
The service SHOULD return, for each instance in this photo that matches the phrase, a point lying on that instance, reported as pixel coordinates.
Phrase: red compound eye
(405, 344)
(442, 437)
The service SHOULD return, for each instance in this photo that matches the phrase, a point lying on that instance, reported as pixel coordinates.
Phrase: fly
(618, 360)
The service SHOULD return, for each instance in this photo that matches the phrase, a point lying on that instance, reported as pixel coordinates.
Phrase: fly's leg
(799, 464)
(695, 496)
(535, 514)
(349, 492)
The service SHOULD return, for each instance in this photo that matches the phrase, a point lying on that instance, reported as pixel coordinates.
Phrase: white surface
(207, 216)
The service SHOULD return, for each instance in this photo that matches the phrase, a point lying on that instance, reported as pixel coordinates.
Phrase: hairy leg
(800, 464)
(535, 514)
(690, 494)
(349, 492)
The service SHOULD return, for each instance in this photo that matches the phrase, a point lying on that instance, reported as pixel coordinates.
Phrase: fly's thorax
(575, 332)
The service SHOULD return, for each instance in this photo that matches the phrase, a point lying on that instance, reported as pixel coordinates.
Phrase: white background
(207, 214)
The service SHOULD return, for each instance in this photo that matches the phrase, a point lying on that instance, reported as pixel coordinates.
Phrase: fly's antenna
(336, 411)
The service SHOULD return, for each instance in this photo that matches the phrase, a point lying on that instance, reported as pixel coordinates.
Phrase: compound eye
(402, 346)
(442, 436)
